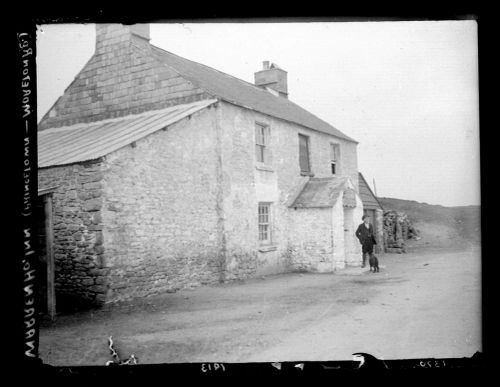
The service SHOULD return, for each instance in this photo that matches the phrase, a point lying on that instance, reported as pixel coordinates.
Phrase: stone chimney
(141, 31)
(273, 79)
(109, 37)
(121, 78)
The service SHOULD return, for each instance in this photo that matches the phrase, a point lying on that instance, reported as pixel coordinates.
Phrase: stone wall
(80, 279)
(339, 248)
(311, 239)
(246, 183)
(238, 196)
(353, 251)
(162, 227)
(323, 239)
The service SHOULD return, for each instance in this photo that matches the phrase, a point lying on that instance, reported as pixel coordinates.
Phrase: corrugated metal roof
(369, 200)
(320, 192)
(83, 142)
(43, 191)
(241, 93)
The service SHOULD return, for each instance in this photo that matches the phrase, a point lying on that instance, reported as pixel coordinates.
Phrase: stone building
(162, 173)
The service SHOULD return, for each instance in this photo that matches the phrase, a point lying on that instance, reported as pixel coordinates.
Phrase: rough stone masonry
(78, 241)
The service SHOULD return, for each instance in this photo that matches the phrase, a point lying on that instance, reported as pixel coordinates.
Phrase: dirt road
(424, 304)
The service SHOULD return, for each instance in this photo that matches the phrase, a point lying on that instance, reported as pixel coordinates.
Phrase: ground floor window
(264, 223)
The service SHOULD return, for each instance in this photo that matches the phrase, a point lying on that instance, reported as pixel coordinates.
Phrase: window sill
(265, 249)
(263, 167)
(306, 174)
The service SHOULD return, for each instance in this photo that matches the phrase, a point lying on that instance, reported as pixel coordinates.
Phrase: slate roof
(90, 141)
(244, 94)
(370, 201)
(320, 192)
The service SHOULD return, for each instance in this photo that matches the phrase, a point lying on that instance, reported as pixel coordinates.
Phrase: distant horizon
(407, 91)
(428, 204)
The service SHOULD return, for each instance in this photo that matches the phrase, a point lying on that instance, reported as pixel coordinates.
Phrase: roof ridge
(141, 47)
(286, 101)
(214, 69)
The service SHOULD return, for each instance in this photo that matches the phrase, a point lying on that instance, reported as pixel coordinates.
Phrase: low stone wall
(240, 264)
(80, 279)
(397, 230)
(311, 245)
(157, 273)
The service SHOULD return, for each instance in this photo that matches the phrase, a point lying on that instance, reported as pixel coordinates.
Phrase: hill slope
(440, 226)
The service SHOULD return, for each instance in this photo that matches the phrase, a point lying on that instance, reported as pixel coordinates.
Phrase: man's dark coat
(366, 235)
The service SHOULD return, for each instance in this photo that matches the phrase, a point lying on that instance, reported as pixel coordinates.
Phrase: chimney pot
(265, 65)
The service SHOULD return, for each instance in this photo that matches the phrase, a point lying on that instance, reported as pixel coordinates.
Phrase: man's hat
(365, 216)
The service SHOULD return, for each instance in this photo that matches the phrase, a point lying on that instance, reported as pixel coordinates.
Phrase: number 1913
(206, 367)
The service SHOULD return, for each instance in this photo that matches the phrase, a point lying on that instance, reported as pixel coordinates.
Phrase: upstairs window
(265, 223)
(304, 154)
(262, 143)
(334, 158)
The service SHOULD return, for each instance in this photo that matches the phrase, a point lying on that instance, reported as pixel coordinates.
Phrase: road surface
(421, 304)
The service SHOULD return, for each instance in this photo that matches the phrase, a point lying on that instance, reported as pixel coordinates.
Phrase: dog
(374, 263)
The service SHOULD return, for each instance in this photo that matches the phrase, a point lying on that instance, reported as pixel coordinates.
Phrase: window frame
(308, 154)
(269, 232)
(263, 146)
(334, 157)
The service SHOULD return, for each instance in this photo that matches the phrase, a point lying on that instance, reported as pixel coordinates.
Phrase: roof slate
(90, 141)
(244, 94)
(369, 200)
(320, 192)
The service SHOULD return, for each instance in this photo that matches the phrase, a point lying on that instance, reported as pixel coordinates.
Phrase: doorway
(349, 234)
(46, 269)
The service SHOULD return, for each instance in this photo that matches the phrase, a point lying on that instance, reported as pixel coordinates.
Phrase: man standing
(366, 237)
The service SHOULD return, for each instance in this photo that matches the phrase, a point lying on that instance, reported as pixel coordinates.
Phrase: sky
(406, 91)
